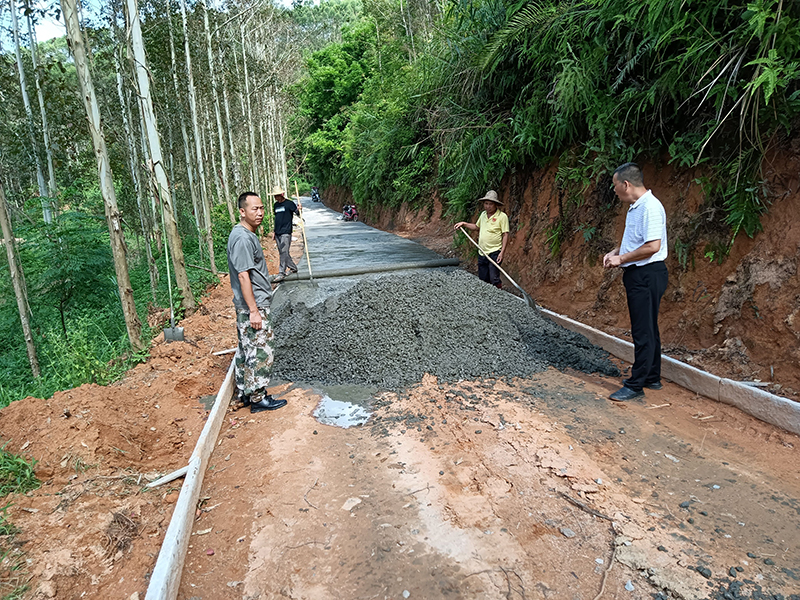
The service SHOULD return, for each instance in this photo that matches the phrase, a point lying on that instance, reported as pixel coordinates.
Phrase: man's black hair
(244, 196)
(631, 173)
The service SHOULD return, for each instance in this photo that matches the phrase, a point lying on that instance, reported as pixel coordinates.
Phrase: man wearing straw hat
(492, 239)
(252, 294)
(283, 209)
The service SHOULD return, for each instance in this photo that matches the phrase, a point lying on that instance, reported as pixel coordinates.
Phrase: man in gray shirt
(252, 293)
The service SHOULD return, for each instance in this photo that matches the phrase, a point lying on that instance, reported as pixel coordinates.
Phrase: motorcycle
(349, 213)
(315, 194)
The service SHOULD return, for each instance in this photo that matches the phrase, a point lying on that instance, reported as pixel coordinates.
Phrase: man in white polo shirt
(641, 255)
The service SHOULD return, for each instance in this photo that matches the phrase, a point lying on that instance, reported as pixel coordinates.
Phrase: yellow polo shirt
(491, 230)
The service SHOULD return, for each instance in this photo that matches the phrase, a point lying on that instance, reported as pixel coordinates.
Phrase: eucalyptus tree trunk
(151, 187)
(205, 127)
(118, 248)
(237, 177)
(215, 94)
(264, 165)
(173, 187)
(48, 148)
(207, 204)
(46, 210)
(281, 139)
(240, 79)
(133, 165)
(409, 30)
(197, 141)
(186, 151)
(276, 139)
(18, 282)
(251, 129)
(211, 153)
(156, 157)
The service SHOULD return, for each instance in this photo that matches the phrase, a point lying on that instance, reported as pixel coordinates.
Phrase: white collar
(640, 199)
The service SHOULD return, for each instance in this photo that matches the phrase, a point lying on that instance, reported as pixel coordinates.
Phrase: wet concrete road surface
(334, 244)
(495, 487)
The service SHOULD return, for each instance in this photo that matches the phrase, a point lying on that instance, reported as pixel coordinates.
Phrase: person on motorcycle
(350, 213)
(315, 194)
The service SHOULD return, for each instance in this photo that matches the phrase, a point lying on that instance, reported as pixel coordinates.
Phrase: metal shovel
(172, 333)
(528, 300)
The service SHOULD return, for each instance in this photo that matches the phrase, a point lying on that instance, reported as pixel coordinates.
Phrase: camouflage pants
(253, 361)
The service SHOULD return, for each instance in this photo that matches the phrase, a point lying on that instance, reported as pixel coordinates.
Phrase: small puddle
(344, 406)
(208, 401)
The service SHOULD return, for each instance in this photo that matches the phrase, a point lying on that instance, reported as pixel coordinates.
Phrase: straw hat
(277, 191)
(491, 195)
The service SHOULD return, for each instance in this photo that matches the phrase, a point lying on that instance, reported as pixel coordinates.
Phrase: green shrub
(16, 474)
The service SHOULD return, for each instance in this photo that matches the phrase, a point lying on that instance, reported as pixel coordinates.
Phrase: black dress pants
(644, 287)
(487, 271)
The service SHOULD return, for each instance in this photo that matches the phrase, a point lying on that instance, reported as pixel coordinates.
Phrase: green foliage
(16, 474)
(220, 230)
(555, 235)
(597, 83)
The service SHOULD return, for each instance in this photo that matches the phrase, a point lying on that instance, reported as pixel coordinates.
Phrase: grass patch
(16, 474)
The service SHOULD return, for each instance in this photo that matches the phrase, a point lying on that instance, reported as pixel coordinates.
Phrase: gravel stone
(567, 532)
(705, 572)
(389, 331)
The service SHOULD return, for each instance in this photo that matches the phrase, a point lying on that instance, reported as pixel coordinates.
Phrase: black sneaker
(268, 403)
(624, 394)
(656, 385)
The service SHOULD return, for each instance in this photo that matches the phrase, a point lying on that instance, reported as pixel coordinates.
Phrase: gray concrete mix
(388, 330)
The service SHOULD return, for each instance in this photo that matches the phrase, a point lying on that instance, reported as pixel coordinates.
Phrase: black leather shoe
(268, 403)
(624, 394)
(656, 385)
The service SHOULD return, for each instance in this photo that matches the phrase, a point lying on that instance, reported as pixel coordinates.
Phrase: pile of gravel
(390, 331)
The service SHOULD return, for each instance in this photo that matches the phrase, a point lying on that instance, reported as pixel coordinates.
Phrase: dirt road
(532, 487)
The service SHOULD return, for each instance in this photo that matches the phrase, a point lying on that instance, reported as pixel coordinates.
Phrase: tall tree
(197, 140)
(250, 126)
(46, 210)
(182, 118)
(237, 178)
(113, 219)
(48, 147)
(157, 165)
(18, 281)
(217, 113)
(133, 165)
